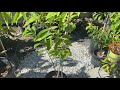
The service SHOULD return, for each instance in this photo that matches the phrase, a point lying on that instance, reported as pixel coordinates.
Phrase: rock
(96, 73)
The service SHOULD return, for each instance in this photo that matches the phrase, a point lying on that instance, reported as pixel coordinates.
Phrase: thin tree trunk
(5, 52)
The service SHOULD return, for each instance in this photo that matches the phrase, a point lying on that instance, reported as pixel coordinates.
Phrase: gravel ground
(76, 66)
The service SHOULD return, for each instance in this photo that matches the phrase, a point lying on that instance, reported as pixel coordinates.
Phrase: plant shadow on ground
(80, 74)
(18, 49)
(16, 56)
(42, 69)
(36, 71)
(70, 62)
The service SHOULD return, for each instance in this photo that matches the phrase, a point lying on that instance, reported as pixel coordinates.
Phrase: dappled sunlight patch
(23, 71)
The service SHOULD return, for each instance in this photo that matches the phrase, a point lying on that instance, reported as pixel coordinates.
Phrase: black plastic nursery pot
(94, 51)
(2, 66)
(96, 58)
(53, 74)
(5, 67)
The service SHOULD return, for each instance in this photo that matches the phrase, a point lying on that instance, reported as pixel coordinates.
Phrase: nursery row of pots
(105, 57)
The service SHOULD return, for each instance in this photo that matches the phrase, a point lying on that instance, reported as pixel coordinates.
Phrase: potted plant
(111, 62)
(55, 35)
(114, 50)
(99, 41)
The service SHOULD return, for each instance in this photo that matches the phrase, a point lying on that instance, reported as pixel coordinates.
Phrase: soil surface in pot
(115, 47)
(53, 74)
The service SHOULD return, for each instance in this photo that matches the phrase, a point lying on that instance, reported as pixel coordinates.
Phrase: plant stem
(60, 67)
(52, 61)
(61, 71)
(3, 47)
(58, 71)
(5, 52)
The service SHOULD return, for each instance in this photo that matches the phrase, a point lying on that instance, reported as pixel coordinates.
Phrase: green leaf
(33, 30)
(36, 45)
(67, 42)
(41, 35)
(9, 14)
(99, 17)
(32, 19)
(33, 14)
(78, 14)
(70, 28)
(63, 55)
(53, 27)
(29, 33)
(49, 43)
(45, 41)
(4, 15)
(24, 15)
(73, 26)
(58, 13)
(1, 27)
(54, 52)
(50, 20)
(113, 66)
(51, 14)
(71, 13)
(27, 30)
(43, 31)
(108, 69)
(17, 16)
(57, 43)
(104, 66)
(88, 27)
(67, 36)
(64, 16)
(72, 16)
(95, 17)
(40, 52)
